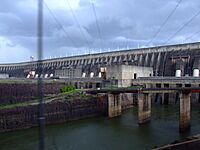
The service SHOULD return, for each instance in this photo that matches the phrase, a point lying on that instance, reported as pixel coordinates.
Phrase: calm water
(102, 133)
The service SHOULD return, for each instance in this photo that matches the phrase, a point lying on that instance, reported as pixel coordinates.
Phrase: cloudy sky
(74, 27)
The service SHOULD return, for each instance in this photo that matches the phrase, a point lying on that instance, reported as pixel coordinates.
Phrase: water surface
(102, 133)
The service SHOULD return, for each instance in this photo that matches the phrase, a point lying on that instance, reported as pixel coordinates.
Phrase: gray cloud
(123, 23)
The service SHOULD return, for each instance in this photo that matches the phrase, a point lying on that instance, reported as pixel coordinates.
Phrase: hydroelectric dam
(162, 75)
(164, 60)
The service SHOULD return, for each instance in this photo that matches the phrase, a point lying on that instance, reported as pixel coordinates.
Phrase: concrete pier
(144, 108)
(181, 93)
(184, 122)
(114, 105)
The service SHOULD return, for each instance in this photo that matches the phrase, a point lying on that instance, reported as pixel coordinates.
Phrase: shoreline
(61, 109)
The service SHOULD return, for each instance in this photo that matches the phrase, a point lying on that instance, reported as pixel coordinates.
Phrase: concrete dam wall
(165, 60)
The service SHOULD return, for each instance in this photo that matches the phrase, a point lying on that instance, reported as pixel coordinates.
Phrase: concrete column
(78, 85)
(194, 96)
(114, 105)
(85, 85)
(94, 85)
(172, 96)
(165, 95)
(184, 122)
(144, 108)
(162, 95)
(126, 100)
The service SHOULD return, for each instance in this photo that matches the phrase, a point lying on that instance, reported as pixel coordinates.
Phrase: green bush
(66, 89)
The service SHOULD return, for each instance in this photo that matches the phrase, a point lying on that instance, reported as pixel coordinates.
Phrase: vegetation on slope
(67, 94)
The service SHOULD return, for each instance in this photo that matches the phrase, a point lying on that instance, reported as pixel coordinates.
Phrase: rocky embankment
(58, 108)
(19, 104)
(11, 93)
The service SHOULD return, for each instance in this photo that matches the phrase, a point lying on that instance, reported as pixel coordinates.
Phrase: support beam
(184, 122)
(144, 108)
(114, 105)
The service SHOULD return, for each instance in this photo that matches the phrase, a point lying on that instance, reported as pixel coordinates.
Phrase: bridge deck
(146, 90)
(167, 80)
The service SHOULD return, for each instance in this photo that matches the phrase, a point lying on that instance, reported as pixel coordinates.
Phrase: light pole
(41, 118)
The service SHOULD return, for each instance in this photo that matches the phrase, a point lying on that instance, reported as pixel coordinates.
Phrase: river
(102, 133)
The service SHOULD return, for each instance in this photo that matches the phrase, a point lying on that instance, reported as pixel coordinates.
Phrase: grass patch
(66, 89)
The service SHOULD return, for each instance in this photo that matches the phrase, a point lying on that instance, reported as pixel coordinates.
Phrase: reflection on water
(103, 133)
